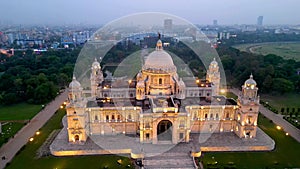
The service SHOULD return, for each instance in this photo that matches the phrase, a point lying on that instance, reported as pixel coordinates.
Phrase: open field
(290, 100)
(283, 49)
(22, 111)
(285, 155)
(26, 158)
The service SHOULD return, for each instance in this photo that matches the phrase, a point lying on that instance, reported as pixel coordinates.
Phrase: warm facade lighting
(223, 91)
(278, 127)
(31, 139)
(37, 133)
(286, 134)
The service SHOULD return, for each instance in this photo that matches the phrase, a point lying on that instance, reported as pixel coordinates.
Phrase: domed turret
(250, 82)
(74, 84)
(75, 90)
(96, 64)
(214, 63)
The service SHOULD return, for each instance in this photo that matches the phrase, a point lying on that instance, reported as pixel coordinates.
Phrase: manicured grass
(27, 157)
(285, 155)
(22, 111)
(290, 100)
(9, 130)
(285, 50)
(231, 95)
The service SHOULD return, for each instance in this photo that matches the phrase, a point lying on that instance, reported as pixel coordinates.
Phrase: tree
(267, 84)
(282, 85)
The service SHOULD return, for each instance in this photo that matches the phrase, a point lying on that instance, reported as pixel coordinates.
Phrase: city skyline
(198, 12)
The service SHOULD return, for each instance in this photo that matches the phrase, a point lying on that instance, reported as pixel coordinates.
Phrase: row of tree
(35, 78)
(272, 73)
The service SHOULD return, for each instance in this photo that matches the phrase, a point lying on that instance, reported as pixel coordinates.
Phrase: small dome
(74, 83)
(96, 64)
(214, 62)
(250, 82)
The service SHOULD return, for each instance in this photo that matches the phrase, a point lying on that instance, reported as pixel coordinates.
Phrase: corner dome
(74, 83)
(250, 82)
(214, 62)
(96, 64)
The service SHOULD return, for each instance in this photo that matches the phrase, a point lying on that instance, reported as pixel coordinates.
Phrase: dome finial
(159, 43)
(74, 78)
(251, 76)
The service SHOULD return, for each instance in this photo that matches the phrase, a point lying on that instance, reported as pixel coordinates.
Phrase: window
(180, 135)
(147, 136)
(227, 115)
(129, 117)
(107, 118)
(74, 112)
(147, 125)
(160, 81)
(113, 117)
(208, 94)
(205, 116)
(96, 117)
(249, 119)
(119, 118)
(217, 116)
(211, 116)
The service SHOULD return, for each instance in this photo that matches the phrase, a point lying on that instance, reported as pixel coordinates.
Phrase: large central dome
(159, 60)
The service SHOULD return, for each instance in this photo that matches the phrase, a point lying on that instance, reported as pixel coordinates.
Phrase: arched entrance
(76, 137)
(164, 130)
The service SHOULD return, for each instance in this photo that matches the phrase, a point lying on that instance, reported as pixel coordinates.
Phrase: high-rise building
(215, 22)
(260, 20)
(168, 24)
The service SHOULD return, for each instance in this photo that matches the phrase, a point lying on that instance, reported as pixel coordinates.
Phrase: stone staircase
(176, 158)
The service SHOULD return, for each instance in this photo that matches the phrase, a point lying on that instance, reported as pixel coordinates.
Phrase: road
(277, 119)
(10, 149)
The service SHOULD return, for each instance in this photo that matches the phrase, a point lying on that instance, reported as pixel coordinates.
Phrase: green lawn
(8, 130)
(22, 111)
(285, 155)
(290, 100)
(26, 158)
(230, 95)
(285, 50)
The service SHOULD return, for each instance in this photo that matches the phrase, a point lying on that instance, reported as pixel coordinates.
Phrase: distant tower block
(213, 76)
(260, 21)
(168, 24)
(215, 22)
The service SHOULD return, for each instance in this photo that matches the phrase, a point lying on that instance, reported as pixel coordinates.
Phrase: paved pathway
(10, 149)
(277, 119)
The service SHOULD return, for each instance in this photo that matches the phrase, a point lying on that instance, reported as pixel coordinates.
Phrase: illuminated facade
(159, 106)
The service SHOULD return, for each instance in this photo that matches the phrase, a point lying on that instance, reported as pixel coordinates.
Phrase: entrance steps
(176, 158)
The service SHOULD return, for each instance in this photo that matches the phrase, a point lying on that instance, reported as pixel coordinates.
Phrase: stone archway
(164, 130)
(76, 137)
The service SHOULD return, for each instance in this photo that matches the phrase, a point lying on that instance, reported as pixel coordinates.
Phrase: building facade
(159, 106)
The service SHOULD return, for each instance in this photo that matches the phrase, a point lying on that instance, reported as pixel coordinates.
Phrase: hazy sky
(103, 11)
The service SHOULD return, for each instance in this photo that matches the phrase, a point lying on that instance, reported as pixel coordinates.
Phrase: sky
(103, 11)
